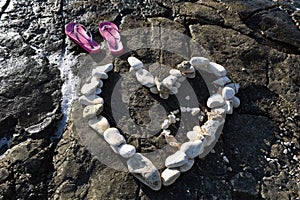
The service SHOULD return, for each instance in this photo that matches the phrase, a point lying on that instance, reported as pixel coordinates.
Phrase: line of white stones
(199, 138)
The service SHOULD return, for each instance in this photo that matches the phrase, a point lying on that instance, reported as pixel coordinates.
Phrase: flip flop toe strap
(87, 31)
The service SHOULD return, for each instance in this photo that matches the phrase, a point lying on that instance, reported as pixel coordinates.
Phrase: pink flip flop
(110, 33)
(79, 34)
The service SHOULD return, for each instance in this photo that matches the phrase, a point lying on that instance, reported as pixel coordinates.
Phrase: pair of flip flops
(83, 37)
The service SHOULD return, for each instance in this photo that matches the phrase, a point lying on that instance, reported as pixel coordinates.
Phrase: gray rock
(199, 61)
(217, 69)
(143, 169)
(89, 88)
(169, 176)
(228, 93)
(113, 137)
(193, 148)
(99, 124)
(135, 63)
(126, 150)
(90, 100)
(215, 100)
(92, 111)
(186, 167)
(145, 77)
(177, 159)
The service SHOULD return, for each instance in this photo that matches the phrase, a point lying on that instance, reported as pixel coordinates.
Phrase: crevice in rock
(4, 7)
(256, 12)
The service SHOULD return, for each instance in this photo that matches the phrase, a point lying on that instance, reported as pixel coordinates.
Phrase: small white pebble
(229, 169)
(188, 109)
(187, 98)
(183, 109)
(212, 151)
(285, 151)
(295, 158)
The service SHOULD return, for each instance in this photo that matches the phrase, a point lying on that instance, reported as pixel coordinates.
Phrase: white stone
(234, 86)
(135, 63)
(216, 69)
(126, 150)
(105, 68)
(99, 74)
(186, 167)
(154, 90)
(220, 110)
(199, 61)
(90, 100)
(229, 107)
(172, 118)
(194, 135)
(222, 81)
(99, 124)
(192, 149)
(183, 109)
(169, 81)
(98, 91)
(236, 102)
(211, 126)
(190, 75)
(174, 90)
(169, 176)
(228, 93)
(91, 111)
(177, 159)
(187, 98)
(195, 111)
(143, 169)
(189, 70)
(164, 96)
(113, 137)
(89, 88)
(145, 77)
(215, 100)
(100, 82)
(165, 124)
(175, 72)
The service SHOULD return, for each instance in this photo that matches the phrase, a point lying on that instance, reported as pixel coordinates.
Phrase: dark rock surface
(258, 42)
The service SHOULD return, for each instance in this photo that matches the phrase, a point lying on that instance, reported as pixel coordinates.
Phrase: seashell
(193, 148)
(143, 169)
(89, 88)
(169, 176)
(175, 72)
(228, 93)
(186, 167)
(135, 63)
(91, 111)
(90, 100)
(190, 75)
(229, 107)
(216, 69)
(113, 137)
(126, 150)
(236, 102)
(215, 100)
(99, 74)
(185, 65)
(172, 118)
(199, 61)
(105, 68)
(145, 77)
(194, 135)
(195, 111)
(99, 124)
(165, 124)
(164, 95)
(234, 86)
(154, 90)
(222, 81)
(177, 159)
(189, 70)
